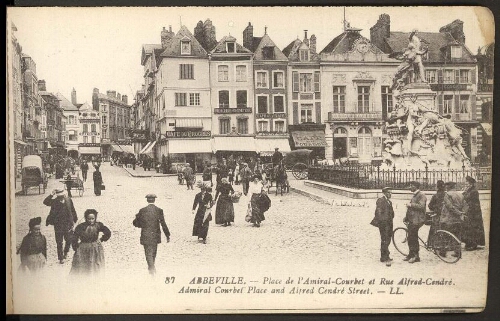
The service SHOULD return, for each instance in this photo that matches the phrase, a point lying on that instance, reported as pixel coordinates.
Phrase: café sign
(189, 134)
(232, 110)
(268, 116)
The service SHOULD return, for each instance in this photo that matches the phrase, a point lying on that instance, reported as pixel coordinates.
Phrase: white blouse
(255, 188)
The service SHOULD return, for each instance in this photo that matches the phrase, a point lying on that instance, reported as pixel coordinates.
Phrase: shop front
(265, 147)
(225, 146)
(308, 136)
(193, 147)
(90, 151)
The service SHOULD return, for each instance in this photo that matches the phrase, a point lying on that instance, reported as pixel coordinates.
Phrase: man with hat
(454, 210)
(63, 217)
(246, 176)
(415, 218)
(384, 216)
(277, 157)
(149, 220)
(473, 223)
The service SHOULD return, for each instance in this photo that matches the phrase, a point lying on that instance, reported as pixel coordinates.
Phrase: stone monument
(418, 136)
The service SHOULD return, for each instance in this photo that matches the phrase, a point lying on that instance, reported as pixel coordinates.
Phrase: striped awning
(487, 128)
(145, 147)
(188, 123)
(149, 148)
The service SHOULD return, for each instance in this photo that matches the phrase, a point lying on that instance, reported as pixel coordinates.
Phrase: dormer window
(456, 52)
(268, 52)
(304, 55)
(185, 47)
(230, 47)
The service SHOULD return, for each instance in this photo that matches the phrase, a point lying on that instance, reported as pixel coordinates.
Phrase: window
(104, 108)
(241, 73)
(268, 52)
(262, 104)
(93, 128)
(363, 99)
(304, 55)
(85, 128)
(449, 76)
(71, 119)
(194, 99)
(447, 104)
(464, 76)
(186, 71)
(278, 79)
(223, 72)
(185, 47)
(305, 83)
(85, 139)
(295, 82)
(225, 125)
(306, 113)
(456, 52)
(241, 98)
(262, 126)
(464, 104)
(339, 99)
(231, 47)
(261, 79)
(316, 81)
(92, 139)
(223, 99)
(73, 135)
(279, 104)
(387, 99)
(430, 76)
(180, 99)
(279, 126)
(243, 125)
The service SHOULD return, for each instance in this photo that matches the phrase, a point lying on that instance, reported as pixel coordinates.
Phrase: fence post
(378, 176)
(394, 176)
(426, 175)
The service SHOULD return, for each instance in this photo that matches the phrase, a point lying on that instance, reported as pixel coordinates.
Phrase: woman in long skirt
(97, 177)
(255, 190)
(474, 227)
(33, 248)
(224, 214)
(89, 253)
(202, 201)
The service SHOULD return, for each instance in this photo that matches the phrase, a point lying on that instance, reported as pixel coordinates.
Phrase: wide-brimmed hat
(58, 192)
(470, 180)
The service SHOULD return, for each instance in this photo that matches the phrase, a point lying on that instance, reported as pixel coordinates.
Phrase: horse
(280, 177)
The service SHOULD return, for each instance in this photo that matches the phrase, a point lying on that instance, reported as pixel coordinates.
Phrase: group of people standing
(456, 212)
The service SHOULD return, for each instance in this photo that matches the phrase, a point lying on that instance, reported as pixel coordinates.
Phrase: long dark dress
(97, 177)
(89, 255)
(257, 214)
(33, 252)
(225, 209)
(200, 227)
(474, 226)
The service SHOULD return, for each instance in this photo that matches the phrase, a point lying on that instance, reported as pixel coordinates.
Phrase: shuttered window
(316, 81)
(295, 82)
(186, 71)
(180, 99)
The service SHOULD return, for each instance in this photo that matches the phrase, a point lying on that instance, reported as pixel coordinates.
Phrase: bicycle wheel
(400, 240)
(447, 246)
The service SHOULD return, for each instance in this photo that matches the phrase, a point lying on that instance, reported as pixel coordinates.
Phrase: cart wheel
(299, 171)
(80, 191)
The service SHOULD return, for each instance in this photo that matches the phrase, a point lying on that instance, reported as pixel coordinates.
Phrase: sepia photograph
(221, 160)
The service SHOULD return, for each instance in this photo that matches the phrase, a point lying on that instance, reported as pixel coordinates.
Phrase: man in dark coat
(415, 218)
(277, 157)
(384, 216)
(436, 206)
(473, 222)
(62, 216)
(149, 220)
(85, 168)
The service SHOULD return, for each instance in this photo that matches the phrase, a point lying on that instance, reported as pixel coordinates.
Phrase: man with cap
(63, 217)
(384, 216)
(415, 218)
(454, 210)
(277, 157)
(149, 220)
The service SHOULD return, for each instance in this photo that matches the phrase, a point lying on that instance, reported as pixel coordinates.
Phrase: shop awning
(487, 128)
(310, 138)
(266, 146)
(149, 149)
(145, 147)
(127, 148)
(73, 147)
(188, 123)
(20, 142)
(90, 150)
(237, 144)
(189, 146)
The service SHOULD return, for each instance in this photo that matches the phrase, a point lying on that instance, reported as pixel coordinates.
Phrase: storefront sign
(277, 115)
(89, 145)
(272, 134)
(232, 110)
(448, 87)
(139, 135)
(309, 139)
(188, 134)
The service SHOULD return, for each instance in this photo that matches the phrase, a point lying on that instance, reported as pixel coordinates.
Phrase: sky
(86, 48)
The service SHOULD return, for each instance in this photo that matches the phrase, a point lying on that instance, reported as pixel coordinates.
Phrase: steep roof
(221, 46)
(85, 106)
(292, 51)
(344, 43)
(436, 42)
(292, 47)
(147, 49)
(106, 97)
(255, 43)
(173, 48)
(263, 42)
(65, 103)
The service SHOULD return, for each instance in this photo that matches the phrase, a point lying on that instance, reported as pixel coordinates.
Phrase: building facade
(72, 130)
(485, 65)
(89, 132)
(16, 94)
(31, 103)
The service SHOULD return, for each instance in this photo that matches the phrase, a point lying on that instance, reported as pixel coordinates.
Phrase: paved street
(299, 237)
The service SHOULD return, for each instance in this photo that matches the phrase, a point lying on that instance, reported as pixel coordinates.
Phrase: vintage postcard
(249, 160)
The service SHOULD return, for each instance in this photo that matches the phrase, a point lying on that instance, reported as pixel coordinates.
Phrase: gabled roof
(116, 100)
(173, 48)
(292, 51)
(437, 42)
(344, 43)
(255, 43)
(65, 104)
(292, 47)
(221, 46)
(147, 50)
(263, 42)
(85, 106)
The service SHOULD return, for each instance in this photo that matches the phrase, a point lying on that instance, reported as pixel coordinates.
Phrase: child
(230, 176)
(33, 248)
(237, 174)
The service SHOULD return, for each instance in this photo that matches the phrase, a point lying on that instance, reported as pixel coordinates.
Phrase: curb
(143, 176)
(313, 196)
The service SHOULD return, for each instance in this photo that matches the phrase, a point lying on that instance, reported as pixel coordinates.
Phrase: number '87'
(169, 279)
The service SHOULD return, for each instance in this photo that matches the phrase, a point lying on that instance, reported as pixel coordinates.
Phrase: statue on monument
(412, 59)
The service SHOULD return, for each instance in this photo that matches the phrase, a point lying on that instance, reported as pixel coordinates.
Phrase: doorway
(365, 144)
(339, 143)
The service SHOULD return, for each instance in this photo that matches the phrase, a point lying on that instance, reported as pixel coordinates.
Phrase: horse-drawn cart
(298, 161)
(75, 183)
(33, 174)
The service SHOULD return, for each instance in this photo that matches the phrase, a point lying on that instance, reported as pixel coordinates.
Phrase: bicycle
(444, 244)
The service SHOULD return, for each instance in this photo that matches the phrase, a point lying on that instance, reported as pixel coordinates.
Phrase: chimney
(456, 29)
(73, 96)
(312, 45)
(380, 31)
(248, 37)
(95, 99)
(199, 34)
(166, 36)
(118, 96)
(125, 99)
(209, 32)
(111, 93)
(306, 41)
(41, 85)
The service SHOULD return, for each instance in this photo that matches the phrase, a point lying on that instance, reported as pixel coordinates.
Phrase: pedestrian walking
(230, 176)
(473, 225)
(222, 171)
(149, 220)
(89, 253)
(33, 248)
(224, 212)
(436, 206)
(62, 216)
(85, 168)
(237, 174)
(415, 218)
(97, 177)
(384, 216)
(255, 212)
(69, 183)
(246, 176)
(207, 174)
(188, 176)
(203, 203)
